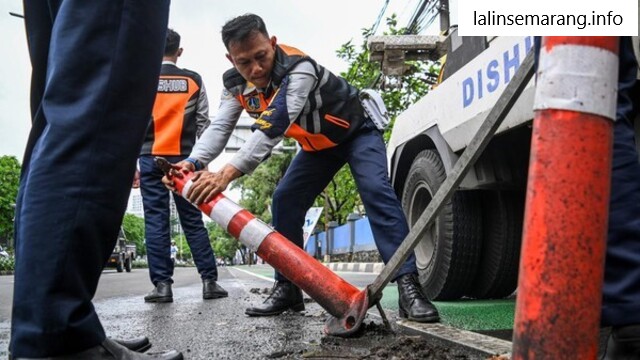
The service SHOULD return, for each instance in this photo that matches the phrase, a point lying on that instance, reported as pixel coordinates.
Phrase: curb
(466, 342)
(471, 343)
(375, 268)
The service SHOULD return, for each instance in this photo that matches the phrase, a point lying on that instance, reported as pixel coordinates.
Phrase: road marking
(254, 274)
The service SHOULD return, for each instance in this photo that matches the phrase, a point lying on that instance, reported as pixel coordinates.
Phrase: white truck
(473, 248)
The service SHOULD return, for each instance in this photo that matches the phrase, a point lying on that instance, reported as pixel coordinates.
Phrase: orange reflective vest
(331, 115)
(173, 129)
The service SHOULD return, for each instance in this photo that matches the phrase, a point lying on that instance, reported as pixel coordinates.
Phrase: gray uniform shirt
(302, 78)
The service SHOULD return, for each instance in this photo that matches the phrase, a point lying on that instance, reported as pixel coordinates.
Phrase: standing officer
(180, 113)
(95, 69)
(291, 95)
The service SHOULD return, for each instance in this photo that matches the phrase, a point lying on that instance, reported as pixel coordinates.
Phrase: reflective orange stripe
(168, 118)
(337, 121)
(289, 50)
(309, 142)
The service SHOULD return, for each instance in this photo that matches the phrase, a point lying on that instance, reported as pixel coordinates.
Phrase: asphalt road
(202, 329)
(219, 329)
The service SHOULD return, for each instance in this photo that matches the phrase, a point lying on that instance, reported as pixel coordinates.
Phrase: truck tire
(448, 256)
(119, 264)
(503, 213)
(127, 264)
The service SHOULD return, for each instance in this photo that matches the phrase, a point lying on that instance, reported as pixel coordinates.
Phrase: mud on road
(373, 341)
(376, 342)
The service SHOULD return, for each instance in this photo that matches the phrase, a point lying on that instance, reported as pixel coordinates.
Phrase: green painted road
(467, 314)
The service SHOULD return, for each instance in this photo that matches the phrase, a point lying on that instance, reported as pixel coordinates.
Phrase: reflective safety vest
(173, 129)
(331, 114)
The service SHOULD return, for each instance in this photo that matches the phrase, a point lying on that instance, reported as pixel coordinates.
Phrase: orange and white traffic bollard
(561, 268)
(343, 301)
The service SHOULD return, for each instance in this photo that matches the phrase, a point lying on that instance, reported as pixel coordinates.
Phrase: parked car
(123, 254)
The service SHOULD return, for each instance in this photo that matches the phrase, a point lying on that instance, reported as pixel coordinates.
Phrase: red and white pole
(345, 302)
(561, 268)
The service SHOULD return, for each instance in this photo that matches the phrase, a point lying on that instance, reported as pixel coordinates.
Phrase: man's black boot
(284, 296)
(139, 344)
(211, 290)
(161, 293)
(110, 350)
(412, 302)
(624, 343)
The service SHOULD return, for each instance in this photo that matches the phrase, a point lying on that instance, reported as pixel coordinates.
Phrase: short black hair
(172, 43)
(242, 27)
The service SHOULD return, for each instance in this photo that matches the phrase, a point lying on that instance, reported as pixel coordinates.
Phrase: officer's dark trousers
(95, 73)
(621, 301)
(155, 199)
(310, 172)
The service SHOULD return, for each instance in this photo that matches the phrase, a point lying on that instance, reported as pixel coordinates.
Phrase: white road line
(253, 274)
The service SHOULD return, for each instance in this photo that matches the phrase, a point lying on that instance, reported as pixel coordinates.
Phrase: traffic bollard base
(351, 321)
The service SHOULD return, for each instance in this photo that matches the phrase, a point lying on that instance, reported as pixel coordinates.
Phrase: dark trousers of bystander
(95, 72)
(155, 199)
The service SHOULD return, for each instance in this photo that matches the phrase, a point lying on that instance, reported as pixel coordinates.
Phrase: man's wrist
(196, 163)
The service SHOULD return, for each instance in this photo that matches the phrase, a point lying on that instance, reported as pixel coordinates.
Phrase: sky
(317, 28)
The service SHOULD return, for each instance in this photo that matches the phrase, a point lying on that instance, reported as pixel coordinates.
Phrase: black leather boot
(284, 296)
(211, 290)
(624, 343)
(110, 350)
(139, 344)
(161, 293)
(412, 302)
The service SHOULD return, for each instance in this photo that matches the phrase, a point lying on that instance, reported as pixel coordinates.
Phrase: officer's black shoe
(110, 350)
(161, 293)
(624, 343)
(285, 296)
(211, 290)
(139, 344)
(412, 302)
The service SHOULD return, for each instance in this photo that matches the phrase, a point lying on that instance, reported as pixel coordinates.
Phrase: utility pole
(443, 9)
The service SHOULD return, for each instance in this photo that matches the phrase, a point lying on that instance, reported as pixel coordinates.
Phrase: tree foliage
(257, 189)
(223, 244)
(9, 181)
(133, 227)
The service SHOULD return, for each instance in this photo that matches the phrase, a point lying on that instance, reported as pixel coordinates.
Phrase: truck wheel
(448, 256)
(119, 265)
(503, 213)
(127, 264)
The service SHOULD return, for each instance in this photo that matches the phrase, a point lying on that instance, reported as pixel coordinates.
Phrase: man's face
(253, 58)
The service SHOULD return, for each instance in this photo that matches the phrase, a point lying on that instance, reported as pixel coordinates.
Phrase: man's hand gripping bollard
(347, 305)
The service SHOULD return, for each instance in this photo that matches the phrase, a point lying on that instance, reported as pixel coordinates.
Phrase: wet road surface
(218, 329)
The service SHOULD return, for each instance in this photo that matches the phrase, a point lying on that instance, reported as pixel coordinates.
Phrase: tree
(223, 244)
(9, 181)
(257, 189)
(133, 227)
